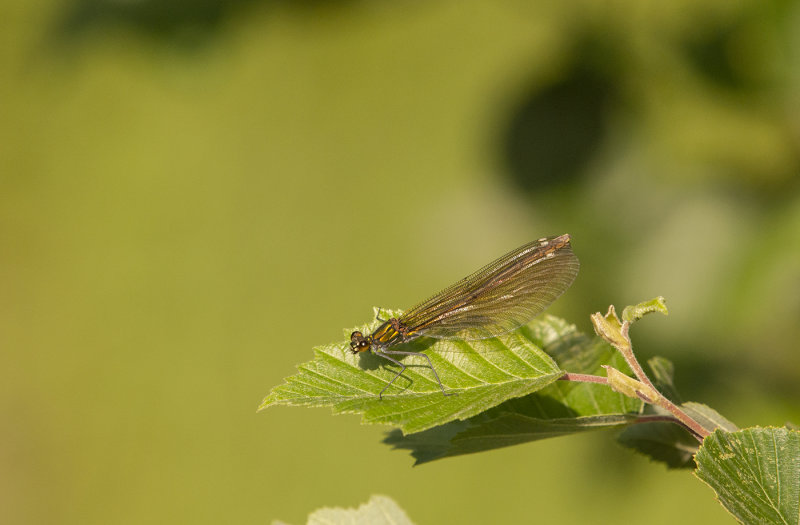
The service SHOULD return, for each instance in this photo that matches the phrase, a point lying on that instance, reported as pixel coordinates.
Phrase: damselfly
(500, 297)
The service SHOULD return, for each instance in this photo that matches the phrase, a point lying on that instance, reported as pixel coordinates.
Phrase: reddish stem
(679, 416)
(583, 378)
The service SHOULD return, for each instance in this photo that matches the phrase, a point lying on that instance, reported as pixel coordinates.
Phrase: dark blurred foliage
(164, 19)
(715, 49)
(188, 21)
(558, 127)
(709, 54)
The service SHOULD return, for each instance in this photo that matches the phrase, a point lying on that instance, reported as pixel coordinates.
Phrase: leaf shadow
(530, 418)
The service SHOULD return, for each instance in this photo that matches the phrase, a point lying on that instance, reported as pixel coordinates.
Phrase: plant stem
(679, 416)
(651, 418)
(584, 378)
(627, 353)
(693, 426)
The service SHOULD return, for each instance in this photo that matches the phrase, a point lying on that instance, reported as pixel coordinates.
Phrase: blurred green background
(194, 194)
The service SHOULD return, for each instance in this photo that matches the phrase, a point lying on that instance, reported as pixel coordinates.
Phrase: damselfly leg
(383, 353)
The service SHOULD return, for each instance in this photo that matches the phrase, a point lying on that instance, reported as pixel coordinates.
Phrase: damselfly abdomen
(500, 297)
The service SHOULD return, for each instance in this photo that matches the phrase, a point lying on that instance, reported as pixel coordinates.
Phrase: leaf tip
(266, 403)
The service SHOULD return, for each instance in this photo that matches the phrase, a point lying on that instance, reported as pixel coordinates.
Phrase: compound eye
(363, 344)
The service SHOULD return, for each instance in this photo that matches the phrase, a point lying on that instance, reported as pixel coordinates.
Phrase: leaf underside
(664, 442)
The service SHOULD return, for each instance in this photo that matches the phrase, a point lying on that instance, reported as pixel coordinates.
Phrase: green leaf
(379, 510)
(565, 407)
(754, 472)
(483, 374)
(636, 312)
(663, 372)
(661, 441)
(708, 418)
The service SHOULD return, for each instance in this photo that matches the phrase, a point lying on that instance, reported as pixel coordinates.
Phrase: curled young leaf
(611, 329)
(636, 312)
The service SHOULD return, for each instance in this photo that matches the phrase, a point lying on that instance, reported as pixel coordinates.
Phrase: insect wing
(499, 297)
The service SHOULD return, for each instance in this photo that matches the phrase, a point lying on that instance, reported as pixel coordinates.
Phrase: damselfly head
(359, 343)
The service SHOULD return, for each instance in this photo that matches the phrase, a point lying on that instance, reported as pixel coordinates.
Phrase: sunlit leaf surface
(482, 374)
(755, 473)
